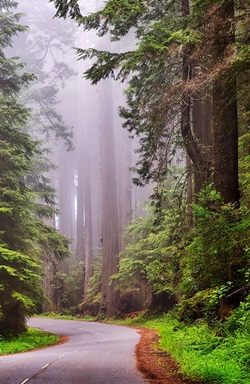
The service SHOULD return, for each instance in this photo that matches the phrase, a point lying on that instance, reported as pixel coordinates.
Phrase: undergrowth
(27, 341)
(218, 354)
(53, 315)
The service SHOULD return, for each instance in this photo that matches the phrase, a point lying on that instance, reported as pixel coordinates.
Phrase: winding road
(95, 354)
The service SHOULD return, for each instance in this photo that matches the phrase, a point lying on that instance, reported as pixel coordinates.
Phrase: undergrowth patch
(212, 354)
(27, 341)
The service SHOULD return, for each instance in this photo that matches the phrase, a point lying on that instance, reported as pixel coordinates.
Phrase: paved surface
(96, 354)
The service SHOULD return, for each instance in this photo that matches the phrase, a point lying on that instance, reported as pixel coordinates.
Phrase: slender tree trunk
(49, 272)
(189, 184)
(110, 303)
(123, 146)
(84, 197)
(66, 181)
(88, 212)
(126, 182)
(66, 192)
(80, 211)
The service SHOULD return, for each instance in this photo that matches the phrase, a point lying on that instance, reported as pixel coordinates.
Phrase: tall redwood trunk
(199, 162)
(80, 211)
(225, 119)
(88, 212)
(202, 127)
(110, 303)
(84, 196)
(123, 146)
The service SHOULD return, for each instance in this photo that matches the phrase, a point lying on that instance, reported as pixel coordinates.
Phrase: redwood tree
(110, 303)
(225, 116)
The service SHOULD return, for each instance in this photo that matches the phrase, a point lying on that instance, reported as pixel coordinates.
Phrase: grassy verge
(211, 355)
(66, 317)
(202, 354)
(27, 341)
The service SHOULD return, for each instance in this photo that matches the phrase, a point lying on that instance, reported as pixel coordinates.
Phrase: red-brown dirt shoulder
(155, 364)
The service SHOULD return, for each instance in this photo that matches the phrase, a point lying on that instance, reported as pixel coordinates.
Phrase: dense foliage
(217, 354)
(204, 264)
(24, 239)
(187, 67)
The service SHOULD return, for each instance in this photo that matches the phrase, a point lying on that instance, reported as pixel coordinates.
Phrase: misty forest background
(124, 153)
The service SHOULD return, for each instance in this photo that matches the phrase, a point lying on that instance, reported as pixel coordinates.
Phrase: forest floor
(155, 364)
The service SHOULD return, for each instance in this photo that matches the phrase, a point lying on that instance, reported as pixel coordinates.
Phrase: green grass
(201, 353)
(27, 341)
(66, 317)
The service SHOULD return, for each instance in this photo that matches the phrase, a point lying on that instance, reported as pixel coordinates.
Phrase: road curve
(95, 354)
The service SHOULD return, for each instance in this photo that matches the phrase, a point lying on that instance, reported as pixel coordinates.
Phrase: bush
(218, 256)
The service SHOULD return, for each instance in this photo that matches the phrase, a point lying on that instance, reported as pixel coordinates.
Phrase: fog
(88, 153)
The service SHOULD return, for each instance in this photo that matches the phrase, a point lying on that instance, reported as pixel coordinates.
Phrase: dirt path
(155, 364)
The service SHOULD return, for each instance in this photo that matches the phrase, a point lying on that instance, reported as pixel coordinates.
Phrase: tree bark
(80, 212)
(110, 302)
(201, 166)
(123, 146)
(84, 196)
(202, 126)
(225, 119)
(88, 213)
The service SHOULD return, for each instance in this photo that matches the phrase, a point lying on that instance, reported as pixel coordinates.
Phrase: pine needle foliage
(24, 239)
(20, 289)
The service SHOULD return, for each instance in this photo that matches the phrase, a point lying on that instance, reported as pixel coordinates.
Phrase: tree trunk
(84, 196)
(123, 146)
(202, 127)
(225, 119)
(80, 211)
(201, 166)
(88, 213)
(110, 303)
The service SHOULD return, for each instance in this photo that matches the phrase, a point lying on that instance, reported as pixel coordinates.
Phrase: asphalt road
(96, 354)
